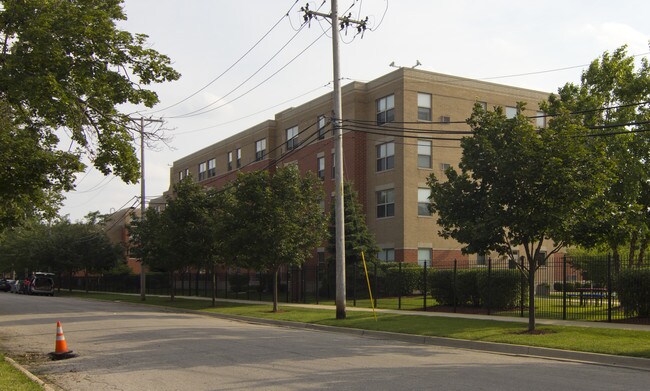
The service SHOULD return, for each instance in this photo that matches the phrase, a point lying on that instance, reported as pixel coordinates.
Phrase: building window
(386, 109)
(187, 172)
(386, 255)
(385, 203)
(320, 163)
(385, 156)
(260, 149)
(229, 160)
(333, 166)
(540, 119)
(423, 202)
(424, 154)
(513, 264)
(483, 105)
(180, 175)
(424, 256)
(212, 168)
(511, 112)
(445, 166)
(203, 168)
(238, 157)
(292, 138)
(541, 258)
(481, 259)
(424, 107)
(321, 127)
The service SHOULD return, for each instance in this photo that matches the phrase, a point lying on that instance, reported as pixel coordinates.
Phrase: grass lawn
(13, 379)
(586, 339)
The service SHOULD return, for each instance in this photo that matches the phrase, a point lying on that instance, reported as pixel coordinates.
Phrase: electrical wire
(255, 87)
(232, 65)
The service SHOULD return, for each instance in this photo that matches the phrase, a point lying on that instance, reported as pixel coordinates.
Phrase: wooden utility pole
(142, 121)
(338, 147)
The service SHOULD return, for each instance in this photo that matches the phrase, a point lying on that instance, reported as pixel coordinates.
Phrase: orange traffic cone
(61, 347)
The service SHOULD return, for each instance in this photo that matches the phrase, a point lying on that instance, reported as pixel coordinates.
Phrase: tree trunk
(531, 294)
(642, 247)
(275, 290)
(633, 241)
(616, 258)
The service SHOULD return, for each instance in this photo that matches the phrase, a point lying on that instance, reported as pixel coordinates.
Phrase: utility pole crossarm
(339, 215)
(142, 192)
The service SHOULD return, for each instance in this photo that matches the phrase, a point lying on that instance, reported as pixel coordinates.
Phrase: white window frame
(423, 201)
(386, 109)
(321, 127)
(238, 157)
(386, 255)
(385, 156)
(385, 203)
(424, 254)
(540, 119)
(511, 112)
(260, 149)
(203, 169)
(320, 167)
(292, 137)
(230, 161)
(212, 168)
(424, 106)
(424, 153)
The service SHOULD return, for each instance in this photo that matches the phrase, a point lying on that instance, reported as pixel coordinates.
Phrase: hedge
(634, 292)
(472, 287)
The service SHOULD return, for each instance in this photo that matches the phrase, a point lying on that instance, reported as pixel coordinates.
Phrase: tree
(60, 247)
(65, 66)
(612, 101)
(273, 220)
(519, 186)
(357, 236)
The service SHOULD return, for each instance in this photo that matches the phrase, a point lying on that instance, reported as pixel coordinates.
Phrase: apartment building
(398, 129)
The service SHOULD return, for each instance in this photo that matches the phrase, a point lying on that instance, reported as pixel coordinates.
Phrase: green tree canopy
(357, 236)
(612, 101)
(66, 67)
(274, 220)
(519, 186)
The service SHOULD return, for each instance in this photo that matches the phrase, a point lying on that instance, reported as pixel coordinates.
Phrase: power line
(232, 65)
(195, 113)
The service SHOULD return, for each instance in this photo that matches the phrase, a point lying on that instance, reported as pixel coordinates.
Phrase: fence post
(354, 282)
(303, 285)
(522, 287)
(609, 288)
(318, 281)
(454, 287)
(424, 302)
(489, 292)
(375, 289)
(399, 287)
(564, 287)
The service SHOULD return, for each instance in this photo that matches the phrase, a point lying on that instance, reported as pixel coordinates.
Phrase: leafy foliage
(64, 65)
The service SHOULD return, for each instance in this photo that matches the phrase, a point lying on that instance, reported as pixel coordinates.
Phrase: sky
(233, 79)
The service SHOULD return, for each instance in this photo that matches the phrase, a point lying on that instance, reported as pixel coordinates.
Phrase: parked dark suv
(42, 284)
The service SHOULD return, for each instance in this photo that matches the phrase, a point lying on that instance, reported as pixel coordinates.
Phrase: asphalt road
(127, 347)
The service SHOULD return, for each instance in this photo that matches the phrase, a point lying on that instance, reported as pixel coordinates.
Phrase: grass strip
(631, 343)
(13, 379)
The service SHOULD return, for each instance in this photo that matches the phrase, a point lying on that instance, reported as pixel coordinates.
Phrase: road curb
(491, 347)
(30, 375)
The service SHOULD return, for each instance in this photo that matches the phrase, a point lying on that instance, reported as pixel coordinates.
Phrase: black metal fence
(589, 288)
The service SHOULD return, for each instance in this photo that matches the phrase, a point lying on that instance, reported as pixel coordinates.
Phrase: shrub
(502, 290)
(467, 288)
(402, 282)
(441, 285)
(634, 292)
